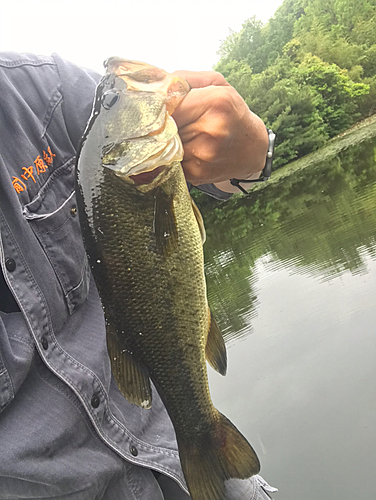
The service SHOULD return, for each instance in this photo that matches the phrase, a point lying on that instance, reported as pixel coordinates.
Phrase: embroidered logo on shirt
(39, 167)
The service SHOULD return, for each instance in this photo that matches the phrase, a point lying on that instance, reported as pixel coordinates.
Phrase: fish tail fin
(223, 454)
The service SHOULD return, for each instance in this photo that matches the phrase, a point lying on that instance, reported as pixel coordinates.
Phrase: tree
(339, 93)
(309, 73)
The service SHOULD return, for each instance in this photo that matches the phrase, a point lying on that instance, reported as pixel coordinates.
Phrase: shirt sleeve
(212, 190)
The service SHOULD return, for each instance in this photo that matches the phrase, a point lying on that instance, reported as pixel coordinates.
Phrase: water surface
(291, 276)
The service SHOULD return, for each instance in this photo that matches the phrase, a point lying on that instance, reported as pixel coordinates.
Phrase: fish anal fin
(222, 454)
(200, 221)
(164, 225)
(130, 377)
(215, 350)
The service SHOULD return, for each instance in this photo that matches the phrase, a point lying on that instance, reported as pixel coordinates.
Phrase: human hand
(221, 137)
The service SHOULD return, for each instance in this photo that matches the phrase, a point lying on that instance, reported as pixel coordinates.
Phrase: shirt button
(10, 264)
(44, 342)
(133, 450)
(73, 211)
(95, 401)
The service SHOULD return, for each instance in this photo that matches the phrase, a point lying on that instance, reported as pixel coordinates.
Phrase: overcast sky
(171, 34)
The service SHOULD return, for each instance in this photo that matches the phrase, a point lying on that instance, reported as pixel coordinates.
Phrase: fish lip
(164, 157)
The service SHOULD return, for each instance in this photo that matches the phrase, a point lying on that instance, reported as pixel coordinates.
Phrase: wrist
(265, 174)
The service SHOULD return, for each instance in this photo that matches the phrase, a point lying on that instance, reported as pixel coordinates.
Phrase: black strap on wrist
(266, 171)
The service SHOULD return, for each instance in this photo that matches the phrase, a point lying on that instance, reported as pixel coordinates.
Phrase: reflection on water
(291, 276)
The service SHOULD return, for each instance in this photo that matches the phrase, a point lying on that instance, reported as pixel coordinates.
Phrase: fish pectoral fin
(215, 350)
(164, 224)
(200, 221)
(131, 378)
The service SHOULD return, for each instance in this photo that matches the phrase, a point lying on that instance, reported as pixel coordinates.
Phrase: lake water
(291, 273)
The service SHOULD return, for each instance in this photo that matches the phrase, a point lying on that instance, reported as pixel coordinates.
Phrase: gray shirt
(65, 430)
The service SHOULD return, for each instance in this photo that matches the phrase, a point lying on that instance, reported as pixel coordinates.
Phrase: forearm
(252, 157)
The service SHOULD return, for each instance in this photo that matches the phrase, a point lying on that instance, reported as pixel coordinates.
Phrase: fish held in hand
(144, 235)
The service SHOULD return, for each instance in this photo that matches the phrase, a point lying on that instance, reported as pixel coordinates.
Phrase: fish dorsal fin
(215, 350)
(131, 378)
(164, 224)
(200, 221)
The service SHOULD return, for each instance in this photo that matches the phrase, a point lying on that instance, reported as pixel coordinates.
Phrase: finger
(191, 108)
(187, 134)
(199, 165)
(201, 100)
(201, 174)
(195, 174)
(200, 79)
(216, 127)
(204, 149)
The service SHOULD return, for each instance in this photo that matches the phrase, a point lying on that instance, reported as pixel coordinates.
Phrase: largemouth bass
(144, 235)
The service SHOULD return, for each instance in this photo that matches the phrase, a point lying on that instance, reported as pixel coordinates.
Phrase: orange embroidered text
(28, 173)
(49, 156)
(18, 185)
(41, 166)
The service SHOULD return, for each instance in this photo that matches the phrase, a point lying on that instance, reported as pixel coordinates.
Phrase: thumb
(199, 79)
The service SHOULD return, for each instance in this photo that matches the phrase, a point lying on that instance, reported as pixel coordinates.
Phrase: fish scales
(160, 293)
(143, 238)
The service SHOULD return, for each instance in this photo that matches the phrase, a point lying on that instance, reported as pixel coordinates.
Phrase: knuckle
(223, 100)
(218, 130)
(209, 155)
(218, 78)
(210, 148)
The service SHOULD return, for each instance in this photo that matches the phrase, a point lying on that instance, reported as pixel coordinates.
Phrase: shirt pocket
(53, 216)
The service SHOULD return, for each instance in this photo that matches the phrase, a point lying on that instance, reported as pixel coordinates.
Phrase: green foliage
(248, 46)
(338, 92)
(330, 49)
(368, 104)
(369, 61)
(309, 73)
(364, 32)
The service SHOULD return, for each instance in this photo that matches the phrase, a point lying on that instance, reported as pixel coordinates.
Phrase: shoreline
(359, 132)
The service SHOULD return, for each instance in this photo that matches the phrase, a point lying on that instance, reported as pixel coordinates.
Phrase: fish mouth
(147, 177)
(144, 156)
(135, 167)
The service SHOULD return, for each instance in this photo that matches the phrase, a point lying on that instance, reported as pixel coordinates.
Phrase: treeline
(309, 73)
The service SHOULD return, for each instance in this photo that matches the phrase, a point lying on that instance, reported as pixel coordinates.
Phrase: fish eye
(109, 98)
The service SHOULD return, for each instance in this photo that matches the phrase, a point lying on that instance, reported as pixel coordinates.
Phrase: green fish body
(144, 235)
